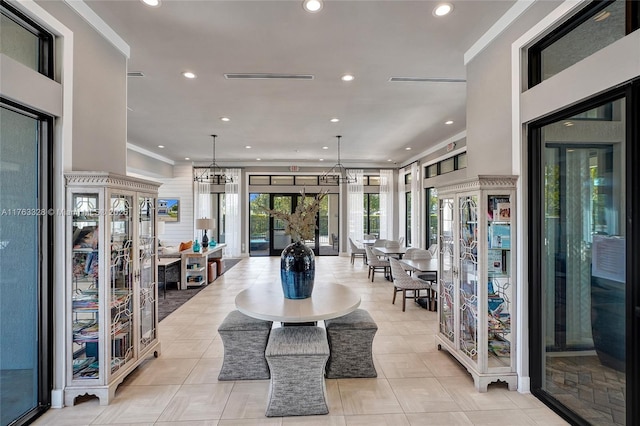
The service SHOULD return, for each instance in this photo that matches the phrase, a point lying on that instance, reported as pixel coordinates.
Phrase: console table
(195, 265)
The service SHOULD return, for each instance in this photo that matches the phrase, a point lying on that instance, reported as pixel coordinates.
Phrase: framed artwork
(168, 209)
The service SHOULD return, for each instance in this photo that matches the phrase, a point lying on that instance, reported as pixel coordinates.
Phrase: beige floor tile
(205, 371)
(499, 417)
(377, 420)
(277, 421)
(334, 400)
(162, 371)
(422, 395)
(402, 365)
(83, 413)
(384, 344)
(137, 404)
(197, 402)
(544, 416)
(368, 396)
(248, 400)
(326, 420)
(188, 423)
(454, 418)
(185, 348)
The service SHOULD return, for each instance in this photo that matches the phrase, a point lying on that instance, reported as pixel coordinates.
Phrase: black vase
(297, 271)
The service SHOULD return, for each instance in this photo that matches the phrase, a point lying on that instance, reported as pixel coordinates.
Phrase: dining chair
(375, 264)
(409, 287)
(414, 253)
(357, 252)
(379, 243)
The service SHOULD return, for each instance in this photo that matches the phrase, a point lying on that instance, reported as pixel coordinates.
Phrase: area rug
(176, 298)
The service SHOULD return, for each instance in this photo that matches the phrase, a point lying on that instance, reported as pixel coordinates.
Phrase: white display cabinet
(112, 289)
(476, 228)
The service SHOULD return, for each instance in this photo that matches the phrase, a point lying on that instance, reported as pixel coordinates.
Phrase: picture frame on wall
(168, 209)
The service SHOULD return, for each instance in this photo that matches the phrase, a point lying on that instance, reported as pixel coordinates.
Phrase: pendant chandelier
(338, 173)
(213, 173)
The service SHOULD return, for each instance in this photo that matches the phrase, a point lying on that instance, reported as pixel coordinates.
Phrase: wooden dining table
(392, 251)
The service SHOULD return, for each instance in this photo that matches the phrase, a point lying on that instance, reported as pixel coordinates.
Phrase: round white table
(267, 302)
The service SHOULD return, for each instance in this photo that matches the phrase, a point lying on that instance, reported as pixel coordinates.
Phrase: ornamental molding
(481, 182)
(110, 180)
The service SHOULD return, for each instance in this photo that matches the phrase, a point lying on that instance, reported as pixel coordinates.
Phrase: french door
(278, 238)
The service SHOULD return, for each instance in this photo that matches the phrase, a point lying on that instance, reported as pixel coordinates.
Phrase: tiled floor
(416, 383)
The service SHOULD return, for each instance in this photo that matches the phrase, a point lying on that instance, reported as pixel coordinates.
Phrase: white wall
(99, 96)
(179, 186)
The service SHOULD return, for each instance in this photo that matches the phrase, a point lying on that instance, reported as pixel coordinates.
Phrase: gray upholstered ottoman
(297, 357)
(244, 339)
(350, 341)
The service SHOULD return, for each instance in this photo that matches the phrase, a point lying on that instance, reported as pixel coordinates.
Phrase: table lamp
(205, 224)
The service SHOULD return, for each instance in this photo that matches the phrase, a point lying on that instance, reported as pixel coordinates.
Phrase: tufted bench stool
(297, 357)
(244, 339)
(350, 341)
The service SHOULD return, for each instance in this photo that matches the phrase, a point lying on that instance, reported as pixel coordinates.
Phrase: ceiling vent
(259, 76)
(426, 80)
(135, 74)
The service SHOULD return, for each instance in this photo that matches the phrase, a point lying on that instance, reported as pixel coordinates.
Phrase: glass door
(446, 292)
(121, 281)
(278, 238)
(25, 271)
(468, 275)
(581, 262)
(147, 270)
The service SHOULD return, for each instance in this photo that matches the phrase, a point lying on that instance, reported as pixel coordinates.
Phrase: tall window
(371, 214)
(408, 217)
(597, 26)
(431, 197)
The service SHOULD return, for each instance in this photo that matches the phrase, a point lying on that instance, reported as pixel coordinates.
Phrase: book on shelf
(504, 212)
(495, 261)
(500, 236)
(493, 210)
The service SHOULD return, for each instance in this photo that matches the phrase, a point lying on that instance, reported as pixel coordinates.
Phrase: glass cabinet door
(85, 302)
(121, 281)
(468, 275)
(499, 281)
(147, 264)
(446, 278)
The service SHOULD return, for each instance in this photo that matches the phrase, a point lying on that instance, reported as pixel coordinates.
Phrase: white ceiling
(288, 120)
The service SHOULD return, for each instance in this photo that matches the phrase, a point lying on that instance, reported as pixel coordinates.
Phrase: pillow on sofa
(186, 246)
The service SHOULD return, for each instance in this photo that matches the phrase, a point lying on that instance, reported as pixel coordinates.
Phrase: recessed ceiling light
(602, 16)
(258, 159)
(312, 5)
(335, 120)
(347, 77)
(152, 3)
(225, 119)
(325, 147)
(189, 75)
(389, 159)
(322, 159)
(160, 146)
(187, 158)
(443, 9)
(568, 123)
(448, 122)
(408, 148)
(248, 146)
